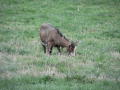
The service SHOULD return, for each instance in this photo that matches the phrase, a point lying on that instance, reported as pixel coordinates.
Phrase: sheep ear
(69, 45)
(73, 43)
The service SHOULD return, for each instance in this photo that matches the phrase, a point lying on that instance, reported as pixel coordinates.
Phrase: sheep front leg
(49, 48)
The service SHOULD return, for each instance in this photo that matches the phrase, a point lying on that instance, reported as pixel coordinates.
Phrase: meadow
(94, 23)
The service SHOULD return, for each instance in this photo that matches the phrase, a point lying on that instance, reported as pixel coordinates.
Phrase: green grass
(95, 23)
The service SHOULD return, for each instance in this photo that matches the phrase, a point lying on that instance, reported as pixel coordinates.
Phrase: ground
(94, 23)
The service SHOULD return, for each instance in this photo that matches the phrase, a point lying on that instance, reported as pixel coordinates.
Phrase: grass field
(95, 23)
